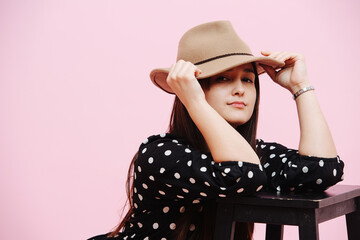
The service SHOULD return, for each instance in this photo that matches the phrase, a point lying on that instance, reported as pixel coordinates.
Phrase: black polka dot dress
(171, 177)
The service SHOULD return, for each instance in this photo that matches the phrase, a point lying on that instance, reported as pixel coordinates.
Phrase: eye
(222, 79)
(248, 80)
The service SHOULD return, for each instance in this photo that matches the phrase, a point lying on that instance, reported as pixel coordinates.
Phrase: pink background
(76, 99)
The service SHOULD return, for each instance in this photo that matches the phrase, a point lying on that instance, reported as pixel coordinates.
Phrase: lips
(238, 104)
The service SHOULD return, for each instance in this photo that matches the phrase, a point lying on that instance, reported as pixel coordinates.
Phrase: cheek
(210, 99)
(252, 96)
(214, 96)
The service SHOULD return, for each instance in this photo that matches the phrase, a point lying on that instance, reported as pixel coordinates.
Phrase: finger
(281, 56)
(187, 69)
(177, 67)
(266, 53)
(272, 54)
(277, 55)
(190, 67)
(171, 70)
(269, 70)
(198, 72)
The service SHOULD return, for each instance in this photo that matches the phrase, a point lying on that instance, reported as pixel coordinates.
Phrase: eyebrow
(248, 70)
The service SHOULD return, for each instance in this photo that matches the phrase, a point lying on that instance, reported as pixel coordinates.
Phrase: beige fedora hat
(213, 47)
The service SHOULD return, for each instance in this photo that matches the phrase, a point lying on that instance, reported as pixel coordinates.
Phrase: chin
(238, 121)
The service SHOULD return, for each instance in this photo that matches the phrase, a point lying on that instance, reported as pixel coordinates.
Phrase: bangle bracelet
(303, 90)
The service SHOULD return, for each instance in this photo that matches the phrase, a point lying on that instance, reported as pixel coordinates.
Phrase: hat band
(221, 56)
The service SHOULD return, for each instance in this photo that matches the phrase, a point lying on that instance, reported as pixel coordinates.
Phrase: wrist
(195, 104)
(303, 90)
(294, 89)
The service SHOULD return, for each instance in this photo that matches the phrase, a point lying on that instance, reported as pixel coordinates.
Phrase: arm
(287, 170)
(171, 169)
(315, 136)
(224, 142)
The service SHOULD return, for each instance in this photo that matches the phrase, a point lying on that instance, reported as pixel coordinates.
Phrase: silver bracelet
(301, 91)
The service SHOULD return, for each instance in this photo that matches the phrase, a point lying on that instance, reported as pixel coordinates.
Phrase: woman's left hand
(293, 76)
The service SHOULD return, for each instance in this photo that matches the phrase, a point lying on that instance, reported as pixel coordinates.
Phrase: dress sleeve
(168, 168)
(287, 170)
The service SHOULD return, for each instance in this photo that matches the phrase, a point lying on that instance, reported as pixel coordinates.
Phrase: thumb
(269, 70)
(197, 72)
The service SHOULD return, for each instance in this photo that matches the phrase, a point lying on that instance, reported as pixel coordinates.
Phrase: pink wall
(76, 100)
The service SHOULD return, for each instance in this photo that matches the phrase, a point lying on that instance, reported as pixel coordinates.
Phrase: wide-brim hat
(213, 47)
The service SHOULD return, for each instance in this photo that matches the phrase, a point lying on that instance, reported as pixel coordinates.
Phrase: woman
(211, 150)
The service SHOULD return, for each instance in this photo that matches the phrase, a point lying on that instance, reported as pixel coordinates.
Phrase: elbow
(326, 176)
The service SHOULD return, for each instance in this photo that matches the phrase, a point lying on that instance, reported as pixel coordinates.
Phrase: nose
(238, 88)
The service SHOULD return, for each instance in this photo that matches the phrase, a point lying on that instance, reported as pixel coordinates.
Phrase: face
(233, 94)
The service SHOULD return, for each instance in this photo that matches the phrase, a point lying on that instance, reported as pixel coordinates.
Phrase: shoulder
(165, 146)
(164, 137)
(168, 140)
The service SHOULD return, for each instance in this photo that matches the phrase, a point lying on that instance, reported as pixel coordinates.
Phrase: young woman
(211, 150)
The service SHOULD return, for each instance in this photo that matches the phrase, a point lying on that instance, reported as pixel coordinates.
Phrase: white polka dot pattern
(166, 209)
(172, 226)
(297, 168)
(168, 173)
(182, 209)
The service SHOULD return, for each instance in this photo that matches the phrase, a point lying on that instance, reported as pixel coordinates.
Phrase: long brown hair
(182, 125)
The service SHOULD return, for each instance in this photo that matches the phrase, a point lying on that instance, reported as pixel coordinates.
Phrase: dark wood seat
(305, 210)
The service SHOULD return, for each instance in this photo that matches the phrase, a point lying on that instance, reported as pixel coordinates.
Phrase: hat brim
(158, 76)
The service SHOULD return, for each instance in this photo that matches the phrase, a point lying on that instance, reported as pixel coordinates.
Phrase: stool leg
(225, 226)
(274, 232)
(309, 231)
(353, 225)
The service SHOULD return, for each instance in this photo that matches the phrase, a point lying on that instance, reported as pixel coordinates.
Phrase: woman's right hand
(223, 141)
(182, 80)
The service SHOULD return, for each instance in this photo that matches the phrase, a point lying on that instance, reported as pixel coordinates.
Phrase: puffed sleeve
(287, 170)
(168, 168)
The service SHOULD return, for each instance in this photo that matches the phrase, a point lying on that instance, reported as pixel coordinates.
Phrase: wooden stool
(305, 210)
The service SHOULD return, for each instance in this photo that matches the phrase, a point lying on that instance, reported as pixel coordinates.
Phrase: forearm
(315, 136)
(224, 142)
